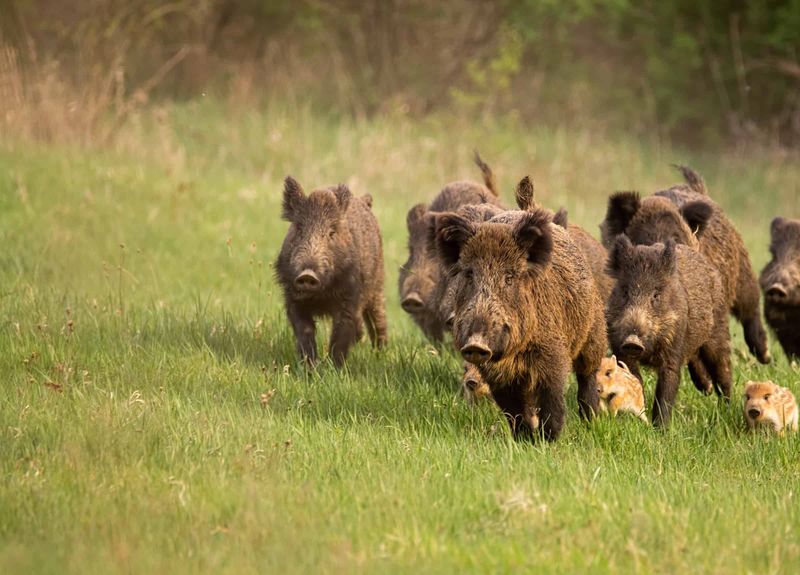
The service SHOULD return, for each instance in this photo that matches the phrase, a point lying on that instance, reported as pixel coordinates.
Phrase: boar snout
(777, 291)
(753, 413)
(633, 345)
(471, 383)
(307, 280)
(412, 303)
(476, 351)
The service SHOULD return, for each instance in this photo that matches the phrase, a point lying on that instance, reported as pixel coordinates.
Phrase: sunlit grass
(155, 418)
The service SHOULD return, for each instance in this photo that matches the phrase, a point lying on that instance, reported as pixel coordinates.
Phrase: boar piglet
(686, 214)
(666, 308)
(780, 281)
(526, 311)
(421, 274)
(331, 264)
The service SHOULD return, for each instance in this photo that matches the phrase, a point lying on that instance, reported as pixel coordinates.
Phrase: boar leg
(718, 359)
(586, 365)
(346, 327)
(518, 405)
(304, 333)
(375, 318)
(746, 308)
(699, 375)
(669, 377)
(550, 400)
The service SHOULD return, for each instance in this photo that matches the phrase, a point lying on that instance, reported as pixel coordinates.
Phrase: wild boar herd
(528, 297)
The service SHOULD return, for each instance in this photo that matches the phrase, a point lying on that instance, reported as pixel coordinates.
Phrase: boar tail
(693, 179)
(488, 175)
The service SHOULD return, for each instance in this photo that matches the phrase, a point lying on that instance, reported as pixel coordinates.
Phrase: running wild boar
(526, 311)
(780, 281)
(331, 264)
(686, 214)
(421, 274)
(667, 307)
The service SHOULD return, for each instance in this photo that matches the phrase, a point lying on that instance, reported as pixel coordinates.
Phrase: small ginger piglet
(619, 389)
(475, 388)
(768, 404)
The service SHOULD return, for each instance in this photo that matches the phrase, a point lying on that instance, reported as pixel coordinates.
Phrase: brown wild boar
(331, 264)
(780, 281)
(667, 307)
(421, 274)
(526, 311)
(686, 214)
(768, 404)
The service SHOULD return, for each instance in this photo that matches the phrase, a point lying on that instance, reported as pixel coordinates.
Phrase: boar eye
(766, 397)
(509, 278)
(469, 274)
(332, 232)
(608, 373)
(656, 295)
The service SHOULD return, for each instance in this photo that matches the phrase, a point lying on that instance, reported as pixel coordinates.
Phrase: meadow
(154, 417)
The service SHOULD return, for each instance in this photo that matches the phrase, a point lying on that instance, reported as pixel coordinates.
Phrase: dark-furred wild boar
(678, 213)
(421, 274)
(668, 307)
(526, 312)
(780, 281)
(331, 264)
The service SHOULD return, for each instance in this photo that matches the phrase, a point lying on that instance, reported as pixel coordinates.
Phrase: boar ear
(429, 221)
(622, 206)
(669, 257)
(777, 225)
(623, 366)
(293, 197)
(452, 232)
(697, 214)
(524, 194)
(415, 214)
(343, 196)
(561, 219)
(533, 234)
(620, 254)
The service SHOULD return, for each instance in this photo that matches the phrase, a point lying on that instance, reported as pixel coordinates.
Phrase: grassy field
(154, 419)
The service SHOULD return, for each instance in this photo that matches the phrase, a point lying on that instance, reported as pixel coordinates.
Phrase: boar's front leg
(699, 376)
(304, 332)
(669, 377)
(586, 365)
(517, 404)
(346, 331)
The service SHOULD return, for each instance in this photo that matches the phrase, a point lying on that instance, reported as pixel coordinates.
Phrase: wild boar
(768, 404)
(686, 214)
(526, 311)
(780, 282)
(619, 390)
(331, 264)
(421, 273)
(473, 385)
(667, 307)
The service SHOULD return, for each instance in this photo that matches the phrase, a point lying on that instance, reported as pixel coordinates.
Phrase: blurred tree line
(697, 71)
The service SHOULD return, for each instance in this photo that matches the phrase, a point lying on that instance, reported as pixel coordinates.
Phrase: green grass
(140, 326)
